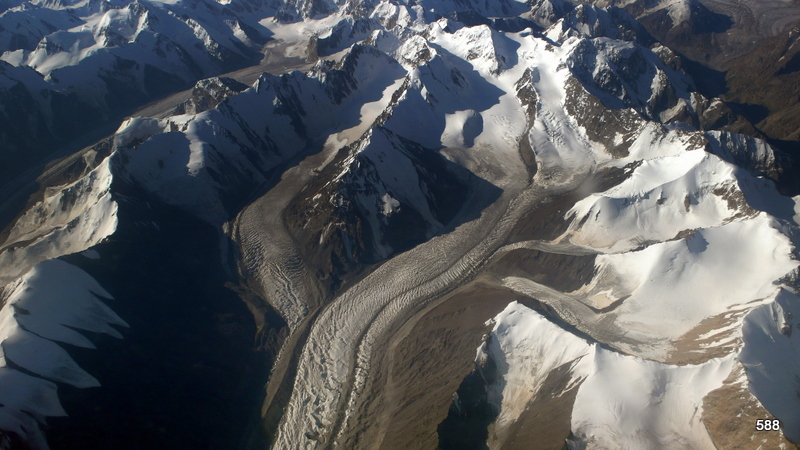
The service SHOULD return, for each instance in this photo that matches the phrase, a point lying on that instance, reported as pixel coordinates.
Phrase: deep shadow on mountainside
(187, 372)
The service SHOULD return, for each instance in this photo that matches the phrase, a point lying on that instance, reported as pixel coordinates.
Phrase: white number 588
(768, 425)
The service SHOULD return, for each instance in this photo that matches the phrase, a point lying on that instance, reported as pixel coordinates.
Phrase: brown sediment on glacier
(392, 408)
(425, 360)
(259, 229)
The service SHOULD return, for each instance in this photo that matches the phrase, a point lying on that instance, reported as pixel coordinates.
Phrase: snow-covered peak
(626, 74)
(679, 11)
(547, 12)
(616, 400)
(343, 34)
(771, 334)
(70, 218)
(415, 51)
(392, 14)
(117, 26)
(485, 48)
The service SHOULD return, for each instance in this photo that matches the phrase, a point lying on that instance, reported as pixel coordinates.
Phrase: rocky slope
(741, 52)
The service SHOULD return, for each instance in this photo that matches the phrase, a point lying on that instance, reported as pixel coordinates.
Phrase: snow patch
(390, 204)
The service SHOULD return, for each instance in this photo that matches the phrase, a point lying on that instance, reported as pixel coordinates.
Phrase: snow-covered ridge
(387, 196)
(69, 219)
(622, 401)
(219, 152)
(662, 198)
(48, 305)
(770, 357)
(92, 61)
(663, 291)
(57, 38)
(46, 300)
